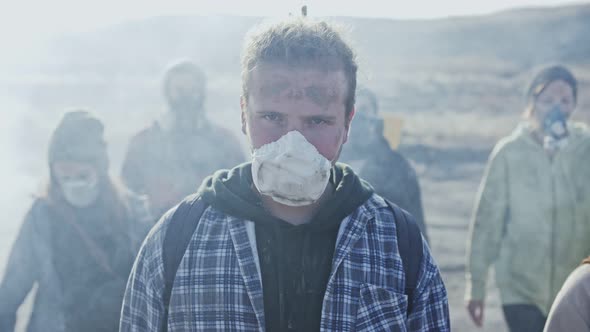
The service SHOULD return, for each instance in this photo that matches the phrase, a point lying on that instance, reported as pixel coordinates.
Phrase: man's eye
(318, 121)
(271, 117)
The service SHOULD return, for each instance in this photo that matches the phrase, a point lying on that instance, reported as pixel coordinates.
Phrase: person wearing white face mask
(290, 171)
(532, 214)
(78, 240)
(294, 240)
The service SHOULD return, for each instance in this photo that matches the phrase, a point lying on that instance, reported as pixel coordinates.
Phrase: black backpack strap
(180, 229)
(409, 242)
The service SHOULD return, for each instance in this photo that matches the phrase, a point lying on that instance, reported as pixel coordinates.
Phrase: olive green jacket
(531, 218)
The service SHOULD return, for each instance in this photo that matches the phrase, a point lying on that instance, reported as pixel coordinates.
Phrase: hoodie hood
(233, 192)
(295, 260)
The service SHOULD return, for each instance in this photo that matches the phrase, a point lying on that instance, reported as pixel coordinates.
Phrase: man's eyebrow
(266, 111)
(321, 95)
(321, 116)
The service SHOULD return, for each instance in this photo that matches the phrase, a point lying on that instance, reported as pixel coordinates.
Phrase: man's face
(282, 99)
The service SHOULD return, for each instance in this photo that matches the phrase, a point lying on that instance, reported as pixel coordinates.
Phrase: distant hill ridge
(524, 37)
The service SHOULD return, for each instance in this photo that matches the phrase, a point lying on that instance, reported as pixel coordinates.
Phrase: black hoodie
(295, 261)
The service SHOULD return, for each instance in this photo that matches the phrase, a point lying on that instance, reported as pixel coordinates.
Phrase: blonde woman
(78, 240)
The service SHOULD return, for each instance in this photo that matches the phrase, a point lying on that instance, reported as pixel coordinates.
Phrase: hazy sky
(73, 15)
(24, 23)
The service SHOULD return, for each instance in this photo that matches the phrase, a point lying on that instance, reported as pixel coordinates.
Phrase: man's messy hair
(300, 42)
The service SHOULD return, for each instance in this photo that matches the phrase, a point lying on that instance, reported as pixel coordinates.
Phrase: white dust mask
(80, 192)
(290, 170)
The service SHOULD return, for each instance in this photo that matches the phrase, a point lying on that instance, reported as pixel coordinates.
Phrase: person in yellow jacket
(532, 212)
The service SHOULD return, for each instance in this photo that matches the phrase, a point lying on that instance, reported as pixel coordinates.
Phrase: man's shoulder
(147, 134)
(415, 254)
(158, 232)
(154, 241)
(378, 209)
(376, 203)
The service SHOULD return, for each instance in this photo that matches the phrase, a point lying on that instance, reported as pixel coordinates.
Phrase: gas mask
(555, 131)
(290, 170)
(80, 193)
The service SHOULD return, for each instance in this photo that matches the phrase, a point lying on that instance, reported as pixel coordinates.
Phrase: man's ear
(349, 123)
(243, 107)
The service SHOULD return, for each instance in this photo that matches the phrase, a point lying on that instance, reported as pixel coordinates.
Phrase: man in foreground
(292, 241)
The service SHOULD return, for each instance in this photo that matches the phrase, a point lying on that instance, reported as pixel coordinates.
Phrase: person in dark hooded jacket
(387, 170)
(77, 241)
(169, 159)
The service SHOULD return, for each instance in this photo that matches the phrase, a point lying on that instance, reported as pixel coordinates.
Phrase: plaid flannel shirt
(218, 284)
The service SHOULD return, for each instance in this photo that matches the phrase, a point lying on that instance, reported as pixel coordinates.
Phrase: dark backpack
(186, 217)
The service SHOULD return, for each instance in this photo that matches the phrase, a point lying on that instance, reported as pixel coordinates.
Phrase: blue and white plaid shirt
(218, 284)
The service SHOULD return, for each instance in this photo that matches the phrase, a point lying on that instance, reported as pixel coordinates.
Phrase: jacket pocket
(381, 310)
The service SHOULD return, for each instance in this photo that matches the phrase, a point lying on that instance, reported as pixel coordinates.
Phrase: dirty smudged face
(309, 100)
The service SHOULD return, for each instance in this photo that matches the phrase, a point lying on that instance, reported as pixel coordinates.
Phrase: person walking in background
(168, 160)
(571, 309)
(78, 240)
(371, 157)
(532, 212)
